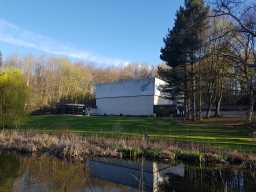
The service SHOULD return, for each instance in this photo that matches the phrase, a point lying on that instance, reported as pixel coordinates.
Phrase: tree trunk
(193, 92)
(218, 106)
(200, 105)
(208, 114)
(251, 107)
(250, 113)
(186, 104)
(189, 115)
(220, 87)
(194, 106)
(209, 109)
(199, 96)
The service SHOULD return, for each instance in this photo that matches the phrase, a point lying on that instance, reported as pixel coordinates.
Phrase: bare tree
(242, 16)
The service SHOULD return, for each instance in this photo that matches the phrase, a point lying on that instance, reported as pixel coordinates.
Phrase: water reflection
(45, 174)
(142, 175)
(213, 180)
(9, 171)
(41, 174)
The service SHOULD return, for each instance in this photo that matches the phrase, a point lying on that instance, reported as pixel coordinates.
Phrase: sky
(102, 32)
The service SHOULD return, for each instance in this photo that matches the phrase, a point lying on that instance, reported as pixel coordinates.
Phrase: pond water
(41, 174)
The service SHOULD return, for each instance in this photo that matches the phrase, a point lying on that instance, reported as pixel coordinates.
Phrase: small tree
(13, 95)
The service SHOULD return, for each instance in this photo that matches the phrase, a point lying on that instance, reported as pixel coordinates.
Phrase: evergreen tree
(182, 53)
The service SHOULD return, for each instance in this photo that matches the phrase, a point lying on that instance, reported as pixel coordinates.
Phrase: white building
(130, 97)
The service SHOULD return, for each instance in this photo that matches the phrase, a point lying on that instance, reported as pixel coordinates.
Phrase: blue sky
(104, 32)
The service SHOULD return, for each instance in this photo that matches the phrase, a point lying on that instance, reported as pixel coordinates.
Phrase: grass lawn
(157, 128)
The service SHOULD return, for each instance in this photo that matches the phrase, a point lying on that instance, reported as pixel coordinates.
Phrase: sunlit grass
(156, 128)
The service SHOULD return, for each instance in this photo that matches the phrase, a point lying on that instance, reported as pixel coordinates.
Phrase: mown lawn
(157, 128)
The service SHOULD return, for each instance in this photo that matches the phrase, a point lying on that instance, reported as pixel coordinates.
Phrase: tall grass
(71, 146)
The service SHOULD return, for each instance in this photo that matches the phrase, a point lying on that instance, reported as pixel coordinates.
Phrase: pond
(41, 174)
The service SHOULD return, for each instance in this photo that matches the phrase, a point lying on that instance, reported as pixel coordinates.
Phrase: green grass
(156, 128)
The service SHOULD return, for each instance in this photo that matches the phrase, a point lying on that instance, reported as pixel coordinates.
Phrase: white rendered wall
(157, 87)
(142, 105)
(130, 97)
(158, 95)
(162, 101)
(125, 88)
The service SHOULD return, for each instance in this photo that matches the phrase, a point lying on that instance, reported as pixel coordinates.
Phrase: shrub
(13, 95)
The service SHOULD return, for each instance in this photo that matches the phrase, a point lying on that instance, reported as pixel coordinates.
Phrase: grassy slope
(154, 127)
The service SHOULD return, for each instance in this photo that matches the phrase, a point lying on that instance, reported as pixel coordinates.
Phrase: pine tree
(182, 52)
(174, 56)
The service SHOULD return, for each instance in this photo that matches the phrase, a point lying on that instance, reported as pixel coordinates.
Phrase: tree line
(210, 57)
(30, 83)
(54, 79)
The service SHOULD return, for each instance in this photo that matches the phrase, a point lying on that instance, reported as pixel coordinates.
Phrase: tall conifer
(182, 52)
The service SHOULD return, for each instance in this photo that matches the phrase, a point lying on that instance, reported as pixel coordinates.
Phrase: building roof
(126, 88)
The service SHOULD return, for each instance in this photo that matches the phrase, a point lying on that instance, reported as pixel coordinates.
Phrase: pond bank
(70, 146)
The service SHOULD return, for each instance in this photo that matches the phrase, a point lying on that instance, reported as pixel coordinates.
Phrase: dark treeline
(210, 57)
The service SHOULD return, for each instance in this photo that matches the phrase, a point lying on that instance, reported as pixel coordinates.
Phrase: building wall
(125, 88)
(137, 105)
(130, 97)
(158, 98)
(158, 86)
(127, 97)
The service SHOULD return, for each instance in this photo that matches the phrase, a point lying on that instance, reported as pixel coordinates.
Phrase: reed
(71, 146)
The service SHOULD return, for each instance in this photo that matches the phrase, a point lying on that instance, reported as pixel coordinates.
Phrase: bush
(13, 96)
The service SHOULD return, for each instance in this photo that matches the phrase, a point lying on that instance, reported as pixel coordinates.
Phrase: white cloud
(14, 35)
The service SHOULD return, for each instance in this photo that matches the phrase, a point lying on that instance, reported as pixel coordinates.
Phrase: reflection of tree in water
(21, 174)
(212, 180)
(51, 174)
(9, 171)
